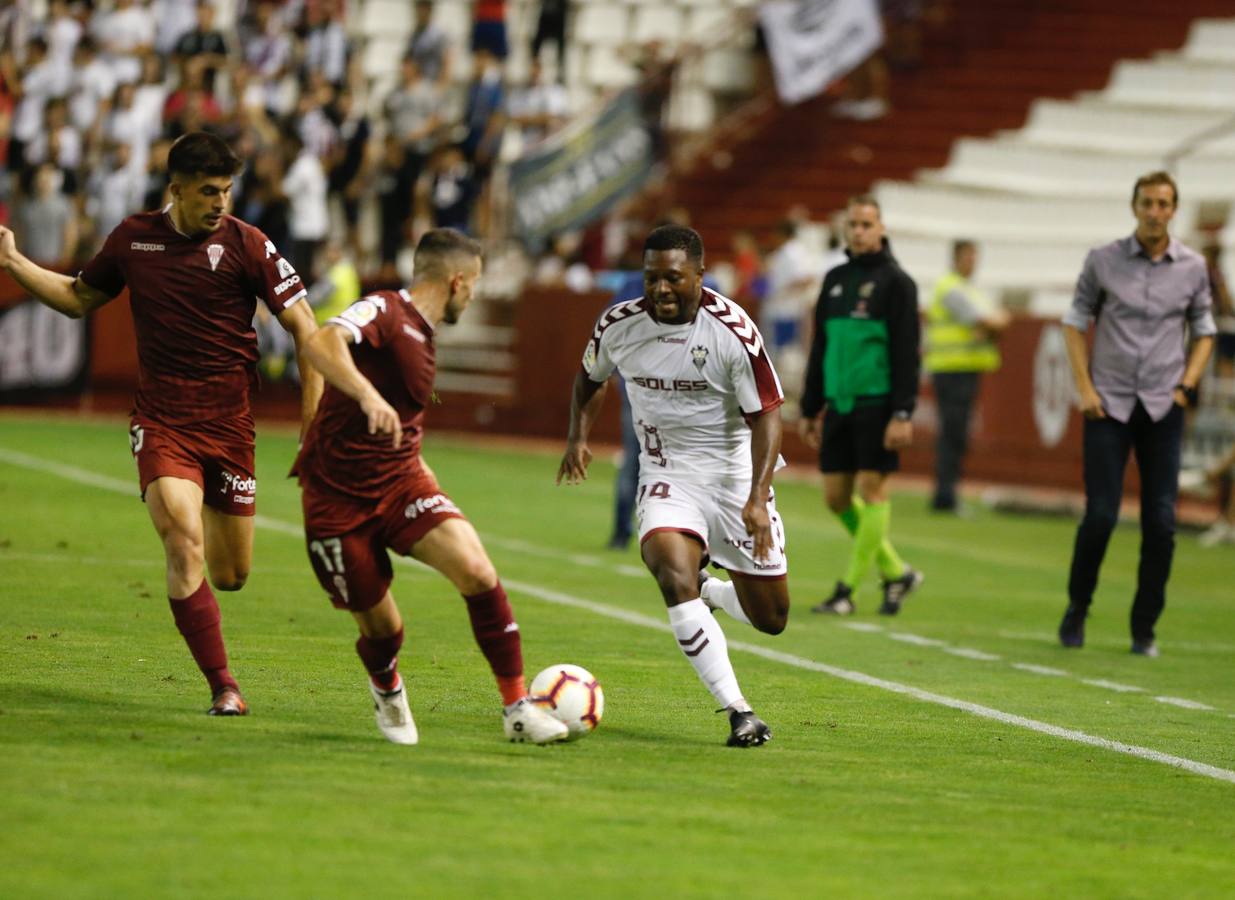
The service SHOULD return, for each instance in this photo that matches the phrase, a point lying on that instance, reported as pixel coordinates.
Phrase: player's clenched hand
(898, 435)
(574, 465)
(8, 246)
(811, 431)
(1091, 404)
(382, 418)
(758, 526)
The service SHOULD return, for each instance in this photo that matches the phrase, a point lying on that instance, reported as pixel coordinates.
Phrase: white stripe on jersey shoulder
(300, 295)
(407, 298)
(357, 337)
(617, 313)
(734, 318)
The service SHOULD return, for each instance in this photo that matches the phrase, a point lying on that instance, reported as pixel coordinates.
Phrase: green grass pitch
(880, 781)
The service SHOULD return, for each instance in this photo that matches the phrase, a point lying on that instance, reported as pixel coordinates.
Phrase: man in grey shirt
(1145, 293)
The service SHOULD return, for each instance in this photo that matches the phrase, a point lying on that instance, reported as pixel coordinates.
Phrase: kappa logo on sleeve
(271, 250)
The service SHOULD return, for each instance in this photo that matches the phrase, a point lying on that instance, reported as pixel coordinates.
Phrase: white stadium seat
(1173, 83)
(606, 69)
(657, 23)
(1211, 40)
(386, 17)
(1116, 128)
(596, 24)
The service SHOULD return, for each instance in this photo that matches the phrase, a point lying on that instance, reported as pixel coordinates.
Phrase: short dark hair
(865, 200)
(960, 245)
(1153, 178)
(202, 153)
(439, 251)
(676, 237)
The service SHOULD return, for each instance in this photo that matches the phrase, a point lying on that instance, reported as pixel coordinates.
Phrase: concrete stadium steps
(980, 75)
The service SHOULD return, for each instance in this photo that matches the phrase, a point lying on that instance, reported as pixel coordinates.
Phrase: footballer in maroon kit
(366, 489)
(195, 275)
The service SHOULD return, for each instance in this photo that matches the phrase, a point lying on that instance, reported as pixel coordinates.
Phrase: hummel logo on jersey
(699, 356)
(215, 253)
(142, 245)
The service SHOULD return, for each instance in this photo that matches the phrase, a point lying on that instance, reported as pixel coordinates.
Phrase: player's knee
(838, 504)
(476, 577)
(773, 623)
(674, 587)
(183, 549)
(232, 580)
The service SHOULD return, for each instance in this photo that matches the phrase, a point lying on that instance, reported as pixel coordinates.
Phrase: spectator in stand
(748, 266)
(173, 20)
(203, 47)
(314, 125)
(325, 42)
(154, 193)
(963, 325)
(485, 120)
(429, 46)
(188, 110)
(260, 200)
(91, 89)
(489, 28)
(48, 220)
(347, 163)
(304, 185)
(551, 26)
(116, 191)
(416, 111)
(58, 133)
(150, 100)
(793, 280)
(1224, 314)
(38, 84)
(268, 52)
(450, 189)
(395, 184)
(62, 33)
(125, 34)
(539, 107)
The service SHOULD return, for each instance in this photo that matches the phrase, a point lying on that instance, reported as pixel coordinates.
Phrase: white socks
(705, 646)
(719, 594)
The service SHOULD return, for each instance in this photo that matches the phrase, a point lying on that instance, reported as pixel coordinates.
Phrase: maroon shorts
(217, 456)
(347, 538)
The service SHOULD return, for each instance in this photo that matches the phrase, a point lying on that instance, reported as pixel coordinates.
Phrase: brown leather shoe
(228, 702)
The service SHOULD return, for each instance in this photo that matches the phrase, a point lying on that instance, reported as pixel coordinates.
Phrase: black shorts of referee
(853, 442)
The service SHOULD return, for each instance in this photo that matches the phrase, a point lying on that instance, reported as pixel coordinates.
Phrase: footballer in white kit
(705, 401)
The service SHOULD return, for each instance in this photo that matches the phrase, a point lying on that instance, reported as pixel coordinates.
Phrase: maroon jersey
(193, 300)
(394, 350)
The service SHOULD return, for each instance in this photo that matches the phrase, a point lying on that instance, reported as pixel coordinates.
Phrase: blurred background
(560, 131)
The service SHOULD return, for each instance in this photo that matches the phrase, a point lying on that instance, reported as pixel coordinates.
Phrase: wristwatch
(1189, 393)
(902, 415)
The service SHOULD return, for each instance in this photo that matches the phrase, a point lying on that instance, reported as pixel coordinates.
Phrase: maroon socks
(197, 618)
(381, 658)
(497, 635)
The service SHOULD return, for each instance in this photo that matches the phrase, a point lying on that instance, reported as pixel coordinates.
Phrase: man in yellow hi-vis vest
(337, 288)
(962, 327)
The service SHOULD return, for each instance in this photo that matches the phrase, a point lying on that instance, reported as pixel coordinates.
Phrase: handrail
(1194, 142)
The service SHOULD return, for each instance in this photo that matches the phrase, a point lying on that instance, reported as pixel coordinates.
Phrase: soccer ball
(572, 696)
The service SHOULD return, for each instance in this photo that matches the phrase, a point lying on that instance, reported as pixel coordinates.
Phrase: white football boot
(525, 721)
(394, 718)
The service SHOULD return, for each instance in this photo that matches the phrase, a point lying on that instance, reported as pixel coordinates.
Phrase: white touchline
(1113, 685)
(1040, 670)
(84, 476)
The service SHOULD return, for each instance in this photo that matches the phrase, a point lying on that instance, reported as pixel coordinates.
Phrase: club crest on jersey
(699, 356)
(214, 253)
(866, 290)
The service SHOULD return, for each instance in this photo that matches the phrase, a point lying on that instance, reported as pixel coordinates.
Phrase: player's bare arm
(898, 435)
(65, 294)
(765, 435)
(586, 399)
(298, 321)
(326, 350)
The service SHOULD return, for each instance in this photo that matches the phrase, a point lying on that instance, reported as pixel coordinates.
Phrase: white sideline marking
(970, 653)
(1113, 685)
(1186, 704)
(1040, 670)
(84, 476)
(916, 639)
(867, 627)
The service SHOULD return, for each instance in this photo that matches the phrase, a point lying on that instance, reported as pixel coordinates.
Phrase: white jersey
(692, 387)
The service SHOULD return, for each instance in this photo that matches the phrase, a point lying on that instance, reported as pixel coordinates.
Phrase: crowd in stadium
(92, 95)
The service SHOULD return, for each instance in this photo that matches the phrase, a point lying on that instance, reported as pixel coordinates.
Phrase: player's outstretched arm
(326, 351)
(65, 294)
(586, 399)
(765, 436)
(298, 320)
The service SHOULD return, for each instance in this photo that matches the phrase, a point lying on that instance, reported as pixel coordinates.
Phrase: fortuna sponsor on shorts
(240, 485)
(142, 245)
(436, 504)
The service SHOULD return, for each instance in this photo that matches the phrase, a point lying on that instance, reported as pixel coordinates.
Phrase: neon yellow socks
(868, 524)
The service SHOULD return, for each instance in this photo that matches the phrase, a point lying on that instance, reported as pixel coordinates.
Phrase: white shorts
(713, 514)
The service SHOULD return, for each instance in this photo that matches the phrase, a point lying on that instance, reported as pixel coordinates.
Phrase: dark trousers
(955, 393)
(627, 484)
(1157, 447)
